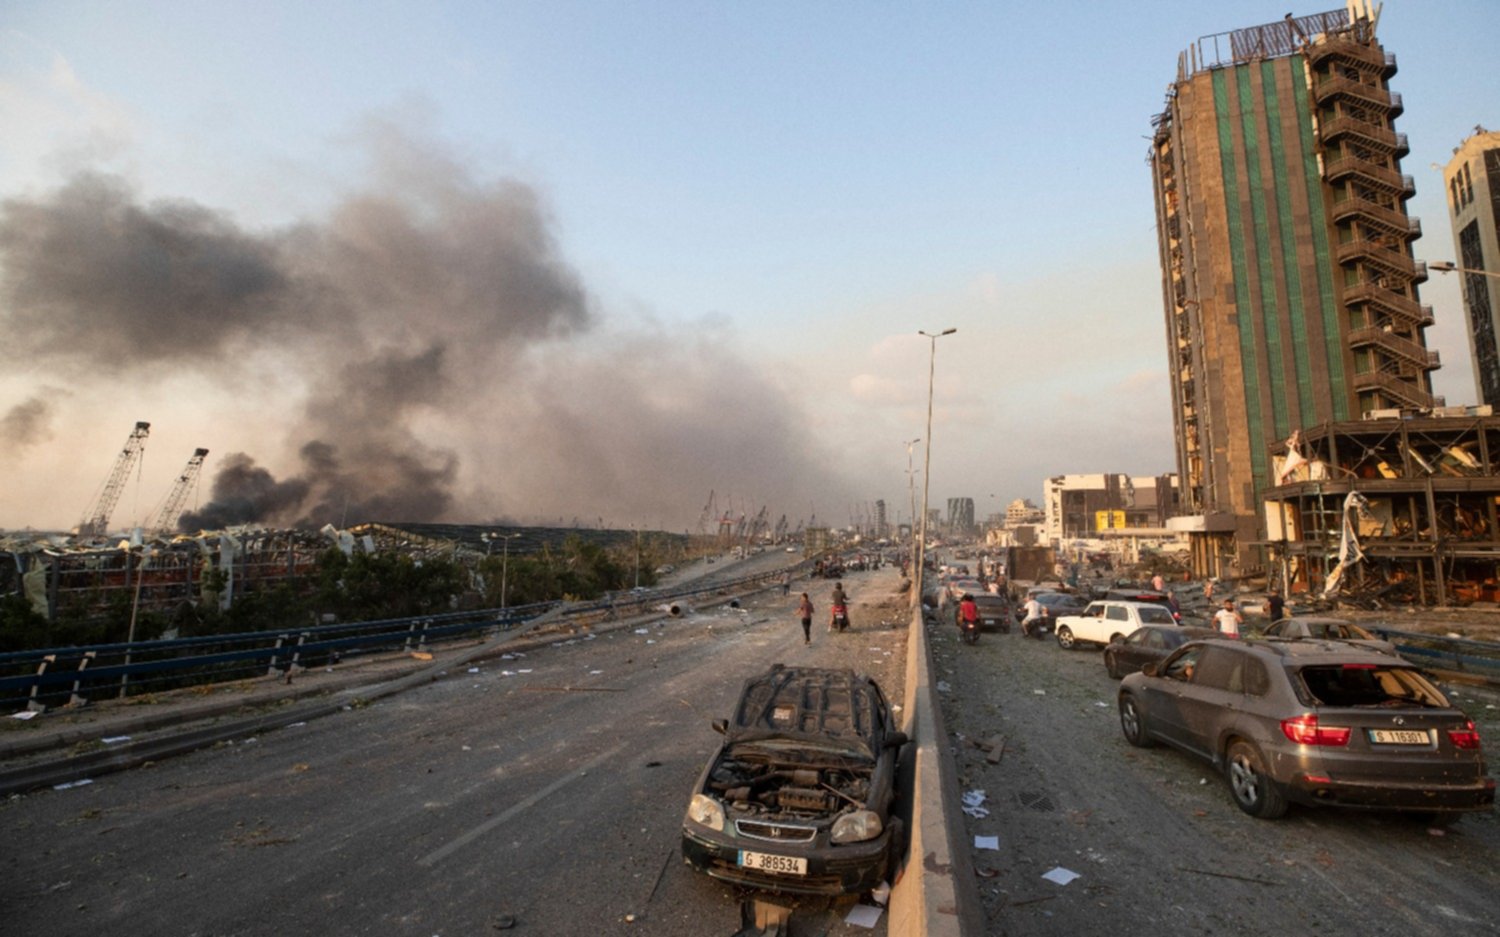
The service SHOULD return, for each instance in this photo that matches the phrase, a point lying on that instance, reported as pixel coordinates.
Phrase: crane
(171, 509)
(708, 512)
(95, 521)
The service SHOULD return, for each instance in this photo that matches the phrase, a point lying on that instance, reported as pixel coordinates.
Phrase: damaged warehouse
(1398, 508)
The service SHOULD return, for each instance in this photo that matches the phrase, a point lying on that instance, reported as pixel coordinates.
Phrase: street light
(489, 549)
(911, 483)
(1448, 266)
(927, 462)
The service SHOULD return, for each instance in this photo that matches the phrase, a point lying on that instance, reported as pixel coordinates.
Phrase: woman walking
(805, 610)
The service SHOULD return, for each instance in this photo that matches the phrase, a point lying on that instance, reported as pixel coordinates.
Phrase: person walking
(1228, 621)
(786, 582)
(805, 612)
(1275, 606)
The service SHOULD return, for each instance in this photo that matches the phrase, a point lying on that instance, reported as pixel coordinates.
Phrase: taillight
(1304, 730)
(1466, 737)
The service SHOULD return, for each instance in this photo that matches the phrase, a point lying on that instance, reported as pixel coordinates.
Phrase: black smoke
(449, 362)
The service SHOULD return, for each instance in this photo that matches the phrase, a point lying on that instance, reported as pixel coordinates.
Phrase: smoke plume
(26, 424)
(453, 365)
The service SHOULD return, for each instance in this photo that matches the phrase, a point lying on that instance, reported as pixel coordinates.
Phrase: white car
(1103, 622)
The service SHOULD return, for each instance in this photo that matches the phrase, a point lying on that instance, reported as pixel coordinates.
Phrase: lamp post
(1448, 266)
(489, 548)
(927, 460)
(911, 484)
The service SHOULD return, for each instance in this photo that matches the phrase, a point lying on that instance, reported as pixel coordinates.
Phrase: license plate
(766, 862)
(1400, 737)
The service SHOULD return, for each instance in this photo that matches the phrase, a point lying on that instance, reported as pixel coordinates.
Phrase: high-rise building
(1288, 279)
(1473, 181)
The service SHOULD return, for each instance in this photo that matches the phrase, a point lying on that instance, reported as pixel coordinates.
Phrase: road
(545, 792)
(1158, 843)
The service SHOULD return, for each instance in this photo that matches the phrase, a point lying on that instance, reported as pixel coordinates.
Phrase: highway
(542, 794)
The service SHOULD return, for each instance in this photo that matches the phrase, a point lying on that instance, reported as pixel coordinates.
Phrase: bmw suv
(1310, 722)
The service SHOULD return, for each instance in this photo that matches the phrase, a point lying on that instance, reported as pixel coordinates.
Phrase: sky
(591, 262)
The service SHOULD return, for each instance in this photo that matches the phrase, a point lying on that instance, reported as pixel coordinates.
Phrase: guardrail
(49, 677)
(1478, 659)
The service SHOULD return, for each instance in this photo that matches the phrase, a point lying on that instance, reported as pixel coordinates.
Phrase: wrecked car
(797, 798)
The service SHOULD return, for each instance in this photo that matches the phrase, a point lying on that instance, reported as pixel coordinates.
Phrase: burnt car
(1147, 645)
(797, 798)
(1311, 722)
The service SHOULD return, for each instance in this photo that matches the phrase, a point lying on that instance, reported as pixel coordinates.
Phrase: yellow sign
(1109, 520)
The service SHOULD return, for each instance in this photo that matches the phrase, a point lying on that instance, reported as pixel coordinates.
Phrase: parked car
(1310, 722)
(797, 797)
(1103, 622)
(1148, 644)
(1300, 627)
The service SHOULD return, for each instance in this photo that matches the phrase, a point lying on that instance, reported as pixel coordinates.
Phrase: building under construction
(1288, 281)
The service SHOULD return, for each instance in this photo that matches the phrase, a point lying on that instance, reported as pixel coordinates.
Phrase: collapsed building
(64, 578)
(1401, 507)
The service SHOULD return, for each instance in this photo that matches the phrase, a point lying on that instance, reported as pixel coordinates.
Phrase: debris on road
(863, 915)
(1060, 875)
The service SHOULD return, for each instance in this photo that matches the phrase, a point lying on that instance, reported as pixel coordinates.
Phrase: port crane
(95, 521)
(171, 508)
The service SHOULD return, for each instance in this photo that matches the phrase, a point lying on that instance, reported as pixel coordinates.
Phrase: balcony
(1353, 53)
(1396, 305)
(1397, 390)
(1373, 95)
(1376, 136)
(1396, 223)
(1394, 345)
(1391, 262)
(1384, 178)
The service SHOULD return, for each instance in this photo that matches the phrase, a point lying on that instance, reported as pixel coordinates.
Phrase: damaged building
(1402, 507)
(1288, 280)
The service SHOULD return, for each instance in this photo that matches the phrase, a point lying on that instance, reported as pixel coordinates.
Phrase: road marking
(452, 846)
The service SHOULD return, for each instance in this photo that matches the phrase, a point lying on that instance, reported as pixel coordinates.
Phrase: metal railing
(1478, 659)
(49, 677)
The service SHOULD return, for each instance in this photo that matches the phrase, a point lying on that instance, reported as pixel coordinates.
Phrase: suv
(798, 796)
(1104, 622)
(1311, 722)
(1163, 599)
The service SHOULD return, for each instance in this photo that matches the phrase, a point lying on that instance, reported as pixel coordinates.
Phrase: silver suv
(1310, 722)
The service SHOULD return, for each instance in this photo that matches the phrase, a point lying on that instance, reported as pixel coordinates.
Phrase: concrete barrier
(935, 894)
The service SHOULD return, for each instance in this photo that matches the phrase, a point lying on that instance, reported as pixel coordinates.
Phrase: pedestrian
(1158, 583)
(805, 612)
(1227, 620)
(1275, 605)
(839, 602)
(786, 582)
(1208, 589)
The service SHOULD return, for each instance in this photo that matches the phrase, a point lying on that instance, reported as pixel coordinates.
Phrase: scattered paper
(881, 893)
(31, 714)
(116, 739)
(1040, 692)
(507, 673)
(643, 631)
(67, 784)
(296, 725)
(1061, 875)
(987, 842)
(1101, 704)
(863, 915)
(595, 673)
(943, 687)
(973, 805)
(473, 670)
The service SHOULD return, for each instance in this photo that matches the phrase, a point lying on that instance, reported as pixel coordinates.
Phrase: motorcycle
(1037, 628)
(840, 618)
(969, 631)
